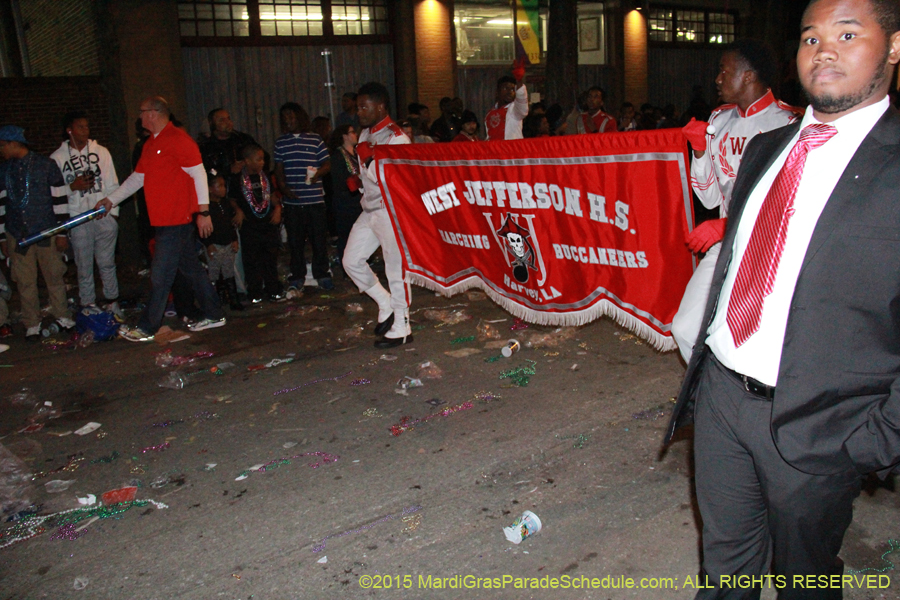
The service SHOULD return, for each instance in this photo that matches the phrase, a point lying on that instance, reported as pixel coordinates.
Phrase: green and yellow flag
(528, 24)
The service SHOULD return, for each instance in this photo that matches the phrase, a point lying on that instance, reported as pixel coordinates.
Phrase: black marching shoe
(383, 327)
(386, 342)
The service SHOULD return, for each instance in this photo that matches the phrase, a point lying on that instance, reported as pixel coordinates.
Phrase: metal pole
(329, 84)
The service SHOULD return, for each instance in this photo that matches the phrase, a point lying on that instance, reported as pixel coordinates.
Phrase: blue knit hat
(11, 133)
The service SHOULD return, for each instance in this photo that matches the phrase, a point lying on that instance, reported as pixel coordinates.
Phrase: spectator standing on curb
(27, 180)
(90, 175)
(171, 172)
(301, 161)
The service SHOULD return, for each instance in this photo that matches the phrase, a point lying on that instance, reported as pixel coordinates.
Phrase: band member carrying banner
(373, 227)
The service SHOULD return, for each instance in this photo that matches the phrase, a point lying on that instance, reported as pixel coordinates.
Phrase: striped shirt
(296, 151)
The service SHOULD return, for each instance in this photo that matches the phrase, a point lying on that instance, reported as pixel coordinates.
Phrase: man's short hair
(756, 56)
(251, 149)
(415, 108)
(211, 114)
(302, 115)
(159, 104)
(376, 92)
(597, 88)
(887, 14)
(350, 96)
(505, 79)
(69, 118)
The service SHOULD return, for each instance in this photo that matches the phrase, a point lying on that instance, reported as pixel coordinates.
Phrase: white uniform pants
(373, 229)
(688, 320)
(96, 241)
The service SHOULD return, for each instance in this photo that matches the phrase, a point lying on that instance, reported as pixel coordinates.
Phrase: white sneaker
(33, 332)
(135, 334)
(3, 348)
(206, 324)
(65, 322)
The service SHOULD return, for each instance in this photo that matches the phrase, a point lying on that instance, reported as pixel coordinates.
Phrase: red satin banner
(557, 230)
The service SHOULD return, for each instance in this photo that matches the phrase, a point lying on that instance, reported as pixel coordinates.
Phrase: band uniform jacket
(837, 396)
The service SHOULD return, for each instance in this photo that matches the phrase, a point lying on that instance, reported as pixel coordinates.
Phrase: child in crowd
(222, 244)
(468, 129)
(257, 215)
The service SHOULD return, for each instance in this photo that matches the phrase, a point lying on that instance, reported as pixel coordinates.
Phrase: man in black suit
(794, 386)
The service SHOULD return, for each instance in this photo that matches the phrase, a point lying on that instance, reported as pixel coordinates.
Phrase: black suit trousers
(759, 512)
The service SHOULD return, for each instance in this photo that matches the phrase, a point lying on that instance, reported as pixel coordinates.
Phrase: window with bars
(690, 26)
(291, 18)
(270, 19)
(359, 17)
(214, 19)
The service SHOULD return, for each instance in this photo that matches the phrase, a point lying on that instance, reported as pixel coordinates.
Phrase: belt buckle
(746, 381)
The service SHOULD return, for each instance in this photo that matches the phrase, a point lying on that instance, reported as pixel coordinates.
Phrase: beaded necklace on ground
(260, 209)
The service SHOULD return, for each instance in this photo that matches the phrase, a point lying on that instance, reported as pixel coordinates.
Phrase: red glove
(705, 235)
(695, 133)
(518, 69)
(366, 152)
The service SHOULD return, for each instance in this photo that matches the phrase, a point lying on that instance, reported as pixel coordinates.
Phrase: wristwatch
(203, 213)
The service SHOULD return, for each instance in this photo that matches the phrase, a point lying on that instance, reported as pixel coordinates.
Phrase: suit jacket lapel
(876, 149)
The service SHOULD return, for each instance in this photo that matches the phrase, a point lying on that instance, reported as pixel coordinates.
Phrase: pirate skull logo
(518, 246)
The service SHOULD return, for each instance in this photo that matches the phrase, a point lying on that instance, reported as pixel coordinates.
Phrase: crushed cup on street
(525, 526)
(511, 347)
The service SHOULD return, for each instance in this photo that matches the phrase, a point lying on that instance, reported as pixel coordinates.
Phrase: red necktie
(756, 275)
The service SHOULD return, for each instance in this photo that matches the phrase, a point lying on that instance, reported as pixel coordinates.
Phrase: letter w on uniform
(737, 145)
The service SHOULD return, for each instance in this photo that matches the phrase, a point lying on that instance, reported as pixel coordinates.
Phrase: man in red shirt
(595, 119)
(171, 172)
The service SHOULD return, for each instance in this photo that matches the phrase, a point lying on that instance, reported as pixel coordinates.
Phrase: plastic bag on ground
(429, 370)
(486, 331)
(448, 317)
(15, 483)
(552, 339)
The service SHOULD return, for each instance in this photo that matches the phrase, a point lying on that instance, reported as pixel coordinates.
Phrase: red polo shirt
(171, 197)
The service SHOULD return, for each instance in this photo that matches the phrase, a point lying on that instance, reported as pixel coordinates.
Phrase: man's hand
(234, 246)
(204, 226)
(81, 183)
(211, 249)
(695, 133)
(238, 218)
(518, 69)
(62, 242)
(705, 235)
(106, 204)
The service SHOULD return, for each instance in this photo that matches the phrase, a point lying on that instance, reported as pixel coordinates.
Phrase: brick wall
(38, 104)
(435, 60)
(61, 36)
(635, 71)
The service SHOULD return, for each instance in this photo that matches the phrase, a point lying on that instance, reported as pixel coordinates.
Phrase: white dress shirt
(759, 357)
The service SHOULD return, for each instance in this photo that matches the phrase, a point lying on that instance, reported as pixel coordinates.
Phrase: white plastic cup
(525, 526)
(511, 347)
(310, 173)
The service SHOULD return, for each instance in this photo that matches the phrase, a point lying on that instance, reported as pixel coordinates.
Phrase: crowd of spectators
(304, 191)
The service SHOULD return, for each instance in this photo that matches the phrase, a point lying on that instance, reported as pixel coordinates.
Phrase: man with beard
(746, 70)
(794, 385)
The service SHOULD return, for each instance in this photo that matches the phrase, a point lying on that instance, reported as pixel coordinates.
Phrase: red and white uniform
(713, 175)
(603, 123)
(505, 122)
(373, 227)
(712, 178)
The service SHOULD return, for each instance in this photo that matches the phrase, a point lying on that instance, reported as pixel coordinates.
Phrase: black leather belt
(757, 388)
